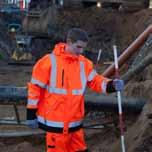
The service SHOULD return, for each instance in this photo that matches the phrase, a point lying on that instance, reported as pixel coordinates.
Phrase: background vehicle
(22, 49)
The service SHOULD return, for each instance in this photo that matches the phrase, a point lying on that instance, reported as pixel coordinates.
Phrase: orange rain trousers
(70, 142)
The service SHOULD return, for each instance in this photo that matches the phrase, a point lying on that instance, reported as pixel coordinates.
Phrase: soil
(104, 27)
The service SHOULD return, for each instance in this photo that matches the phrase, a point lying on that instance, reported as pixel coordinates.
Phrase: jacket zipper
(62, 77)
(62, 86)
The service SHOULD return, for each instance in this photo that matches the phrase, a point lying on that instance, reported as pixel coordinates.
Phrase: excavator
(41, 18)
(21, 44)
(22, 49)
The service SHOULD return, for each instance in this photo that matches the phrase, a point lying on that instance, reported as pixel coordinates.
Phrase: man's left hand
(118, 84)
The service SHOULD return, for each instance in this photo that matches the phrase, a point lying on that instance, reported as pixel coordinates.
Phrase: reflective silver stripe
(39, 83)
(32, 101)
(83, 81)
(77, 92)
(50, 123)
(104, 86)
(52, 88)
(53, 71)
(58, 124)
(57, 91)
(92, 74)
(32, 94)
(75, 124)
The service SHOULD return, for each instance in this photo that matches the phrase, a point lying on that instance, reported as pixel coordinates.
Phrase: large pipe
(129, 51)
(93, 102)
(109, 103)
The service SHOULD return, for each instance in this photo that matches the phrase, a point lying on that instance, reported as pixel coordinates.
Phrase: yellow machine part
(21, 56)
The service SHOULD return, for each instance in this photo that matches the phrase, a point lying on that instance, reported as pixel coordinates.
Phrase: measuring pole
(98, 58)
(121, 123)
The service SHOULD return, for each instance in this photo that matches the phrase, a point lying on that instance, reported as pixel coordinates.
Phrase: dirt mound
(105, 27)
(139, 137)
(140, 89)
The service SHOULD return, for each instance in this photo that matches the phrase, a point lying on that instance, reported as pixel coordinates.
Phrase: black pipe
(110, 103)
(95, 102)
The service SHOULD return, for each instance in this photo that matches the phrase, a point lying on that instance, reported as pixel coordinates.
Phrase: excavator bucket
(40, 22)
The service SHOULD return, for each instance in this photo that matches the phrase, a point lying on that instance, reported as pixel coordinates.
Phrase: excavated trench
(104, 27)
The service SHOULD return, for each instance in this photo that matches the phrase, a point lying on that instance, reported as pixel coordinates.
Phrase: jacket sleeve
(37, 85)
(96, 82)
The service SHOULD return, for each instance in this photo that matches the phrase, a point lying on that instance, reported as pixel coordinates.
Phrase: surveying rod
(98, 58)
(121, 123)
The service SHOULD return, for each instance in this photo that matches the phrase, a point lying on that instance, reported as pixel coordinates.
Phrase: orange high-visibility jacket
(57, 89)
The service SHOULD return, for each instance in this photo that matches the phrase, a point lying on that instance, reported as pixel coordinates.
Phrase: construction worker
(56, 93)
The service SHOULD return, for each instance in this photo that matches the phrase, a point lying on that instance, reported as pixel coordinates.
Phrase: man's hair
(76, 34)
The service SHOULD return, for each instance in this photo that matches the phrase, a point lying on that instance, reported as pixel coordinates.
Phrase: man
(56, 93)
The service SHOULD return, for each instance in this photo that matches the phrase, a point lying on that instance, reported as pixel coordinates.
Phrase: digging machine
(22, 51)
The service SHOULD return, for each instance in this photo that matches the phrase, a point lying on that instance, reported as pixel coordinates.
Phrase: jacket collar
(59, 50)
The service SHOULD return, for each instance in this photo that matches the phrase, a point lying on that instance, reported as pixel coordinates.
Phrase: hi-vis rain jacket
(56, 90)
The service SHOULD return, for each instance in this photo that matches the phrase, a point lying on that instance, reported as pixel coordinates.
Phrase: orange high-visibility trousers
(71, 142)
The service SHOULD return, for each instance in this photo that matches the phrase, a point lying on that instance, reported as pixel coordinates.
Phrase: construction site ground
(104, 27)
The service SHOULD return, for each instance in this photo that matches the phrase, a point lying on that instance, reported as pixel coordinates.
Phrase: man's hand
(32, 123)
(118, 84)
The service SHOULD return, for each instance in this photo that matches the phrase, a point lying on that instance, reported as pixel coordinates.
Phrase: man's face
(77, 47)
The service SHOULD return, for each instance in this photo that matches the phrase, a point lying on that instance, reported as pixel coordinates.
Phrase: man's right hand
(32, 123)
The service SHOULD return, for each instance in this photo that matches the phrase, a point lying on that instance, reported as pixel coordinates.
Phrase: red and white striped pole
(121, 123)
